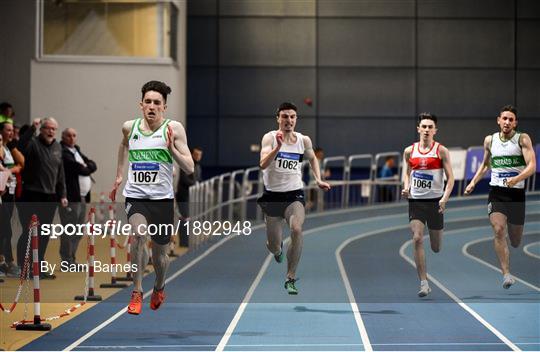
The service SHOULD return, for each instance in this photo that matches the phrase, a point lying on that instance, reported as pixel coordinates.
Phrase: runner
(425, 162)
(510, 155)
(282, 153)
(151, 142)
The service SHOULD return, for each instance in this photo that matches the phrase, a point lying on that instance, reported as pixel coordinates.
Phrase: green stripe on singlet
(157, 155)
(507, 161)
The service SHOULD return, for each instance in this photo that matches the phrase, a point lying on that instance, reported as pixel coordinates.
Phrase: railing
(354, 179)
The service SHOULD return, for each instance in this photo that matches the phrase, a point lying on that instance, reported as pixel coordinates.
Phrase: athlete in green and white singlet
(510, 155)
(150, 174)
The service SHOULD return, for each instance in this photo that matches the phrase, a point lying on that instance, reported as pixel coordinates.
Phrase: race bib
(288, 161)
(421, 180)
(504, 176)
(144, 173)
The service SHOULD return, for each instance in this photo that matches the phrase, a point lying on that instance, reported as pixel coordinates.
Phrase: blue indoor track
(357, 291)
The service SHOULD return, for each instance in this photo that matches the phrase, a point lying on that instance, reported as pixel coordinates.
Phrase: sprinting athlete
(282, 154)
(510, 155)
(425, 163)
(151, 144)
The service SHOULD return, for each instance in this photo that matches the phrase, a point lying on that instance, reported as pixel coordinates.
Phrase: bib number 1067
(145, 177)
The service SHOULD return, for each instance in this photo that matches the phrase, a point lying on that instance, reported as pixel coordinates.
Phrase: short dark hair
(4, 106)
(510, 108)
(426, 116)
(286, 106)
(156, 86)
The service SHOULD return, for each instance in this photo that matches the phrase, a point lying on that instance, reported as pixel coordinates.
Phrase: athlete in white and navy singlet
(282, 153)
(426, 162)
(427, 180)
(284, 173)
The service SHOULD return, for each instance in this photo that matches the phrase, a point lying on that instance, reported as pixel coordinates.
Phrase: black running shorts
(274, 203)
(508, 201)
(426, 211)
(157, 212)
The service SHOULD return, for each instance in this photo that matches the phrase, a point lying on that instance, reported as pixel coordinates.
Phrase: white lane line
(240, 311)
(466, 253)
(455, 298)
(527, 250)
(146, 294)
(157, 347)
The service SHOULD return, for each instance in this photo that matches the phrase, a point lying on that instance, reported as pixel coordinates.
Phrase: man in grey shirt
(43, 183)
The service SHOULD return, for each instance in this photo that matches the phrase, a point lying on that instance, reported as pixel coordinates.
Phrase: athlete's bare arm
(179, 147)
(122, 156)
(530, 160)
(309, 154)
(447, 166)
(267, 152)
(406, 177)
(483, 167)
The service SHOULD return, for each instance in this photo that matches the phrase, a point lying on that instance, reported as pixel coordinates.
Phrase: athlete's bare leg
(515, 232)
(435, 237)
(274, 234)
(498, 223)
(160, 260)
(295, 215)
(137, 249)
(417, 228)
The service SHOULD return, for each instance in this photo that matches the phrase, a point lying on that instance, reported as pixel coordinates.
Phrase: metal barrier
(354, 179)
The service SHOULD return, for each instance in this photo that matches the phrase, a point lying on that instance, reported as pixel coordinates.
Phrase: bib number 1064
(145, 177)
(421, 183)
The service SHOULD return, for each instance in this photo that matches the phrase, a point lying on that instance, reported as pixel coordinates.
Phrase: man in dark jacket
(77, 169)
(43, 183)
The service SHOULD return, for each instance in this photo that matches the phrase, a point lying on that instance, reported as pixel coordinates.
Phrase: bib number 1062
(145, 177)
(287, 164)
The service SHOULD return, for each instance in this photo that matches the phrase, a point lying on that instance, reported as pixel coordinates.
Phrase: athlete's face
(153, 106)
(426, 129)
(287, 120)
(507, 121)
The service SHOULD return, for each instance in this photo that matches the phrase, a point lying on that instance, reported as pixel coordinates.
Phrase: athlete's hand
(112, 194)
(405, 193)
(442, 206)
(323, 185)
(279, 138)
(170, 137)
(469, 189)
(511, 182)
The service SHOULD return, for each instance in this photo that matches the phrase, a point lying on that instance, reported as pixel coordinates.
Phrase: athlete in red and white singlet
(423, 184)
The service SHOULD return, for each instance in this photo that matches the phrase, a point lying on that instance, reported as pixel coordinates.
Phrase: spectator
(77, 169)
(13, 160)
(182, 191)
(43, 183)
(6, 112)
(387, 173)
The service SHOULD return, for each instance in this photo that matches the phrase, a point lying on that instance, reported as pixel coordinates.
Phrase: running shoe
(508, 281)
(279, 257)
(158, 296)
(424, 289)
(135, 303)
(290, 287)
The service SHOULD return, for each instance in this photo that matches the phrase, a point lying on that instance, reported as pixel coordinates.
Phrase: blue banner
(145, 166)
(289, 156)
(475, 156)
(422, 176)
